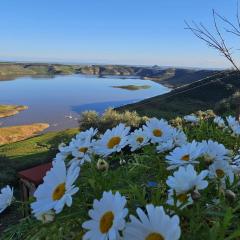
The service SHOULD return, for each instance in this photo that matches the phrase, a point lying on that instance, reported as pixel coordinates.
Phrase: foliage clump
(109, 119)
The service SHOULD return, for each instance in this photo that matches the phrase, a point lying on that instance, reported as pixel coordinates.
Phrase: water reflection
(52, 99)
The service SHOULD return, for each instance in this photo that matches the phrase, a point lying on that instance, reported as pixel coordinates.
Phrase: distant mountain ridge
(172, 77)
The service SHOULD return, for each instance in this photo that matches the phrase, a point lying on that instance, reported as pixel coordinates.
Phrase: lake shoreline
(156, 80)
(167, 76)
(58, 100)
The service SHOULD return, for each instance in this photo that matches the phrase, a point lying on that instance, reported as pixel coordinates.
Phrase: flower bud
(46, 217)
(195, 195)
(102, 165)
(230, 195)
(122, 161)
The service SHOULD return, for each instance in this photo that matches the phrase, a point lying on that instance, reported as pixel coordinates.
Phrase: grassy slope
(31, 152)
(202, 95)
(174, 77)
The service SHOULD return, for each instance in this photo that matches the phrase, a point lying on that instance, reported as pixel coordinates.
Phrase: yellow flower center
(154, 236)
(106, 222)
(220, 173)
(182, 197)
(59, 192)
(140, 139)
(83, 149)
(113, 142)
(186, 157)
(157, 132)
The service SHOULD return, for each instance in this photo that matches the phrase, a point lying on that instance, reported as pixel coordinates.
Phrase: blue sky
(108, 31)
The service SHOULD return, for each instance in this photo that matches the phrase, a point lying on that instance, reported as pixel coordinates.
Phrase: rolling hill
(214, 92)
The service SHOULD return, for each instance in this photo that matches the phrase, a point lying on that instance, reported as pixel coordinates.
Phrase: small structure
(31, 178)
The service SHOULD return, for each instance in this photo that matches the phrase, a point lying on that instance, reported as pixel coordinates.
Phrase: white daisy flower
(60, 157)
(176, 138)
(165, 146)
(56, 190)
(64, 149)
(137, 139)
(236, 130)
(108, 217)
(88, 134)
(179, 137)
(219, 121)
(155, 225)
(231, 121)
(236, 163)
(221, 170)
(186, 180)
(182, 200)
(6, 198)
(157, 130)
(234, 125)
(112, 140)
(192, 118)
(213, 151)
(82, 149)
(184, 155)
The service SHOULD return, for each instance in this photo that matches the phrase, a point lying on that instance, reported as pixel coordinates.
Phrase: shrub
(109, 119)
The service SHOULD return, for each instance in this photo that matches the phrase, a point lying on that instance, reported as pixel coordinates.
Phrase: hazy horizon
(109, 63)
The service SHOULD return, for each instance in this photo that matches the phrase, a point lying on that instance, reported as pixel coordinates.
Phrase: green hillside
(213, 92)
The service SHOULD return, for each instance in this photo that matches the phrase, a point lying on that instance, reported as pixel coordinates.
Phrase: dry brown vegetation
(18, 133)
(10, 110)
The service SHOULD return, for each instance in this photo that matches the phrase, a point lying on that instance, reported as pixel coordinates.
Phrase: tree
(215, 39)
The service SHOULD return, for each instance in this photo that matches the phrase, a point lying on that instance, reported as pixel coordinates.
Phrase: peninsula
(10, 110)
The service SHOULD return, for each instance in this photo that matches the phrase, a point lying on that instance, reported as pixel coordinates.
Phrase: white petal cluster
(213, 151)
(80, 148)
(184, 182)
(137, 139)
(219, 121)
(107, 217)
(113, 140)
(235, 164)
(108, 221)
(192, 118)
(222, 170)
(233, 125)
(56, 190)
(155, 224)
(184, 155)
(6, 198)
(157, 130)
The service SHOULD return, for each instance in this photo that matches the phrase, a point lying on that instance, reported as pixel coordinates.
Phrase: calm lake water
(52, 99)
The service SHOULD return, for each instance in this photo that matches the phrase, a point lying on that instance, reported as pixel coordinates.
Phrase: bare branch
(235, 29)
(215, 39)
(238, 17)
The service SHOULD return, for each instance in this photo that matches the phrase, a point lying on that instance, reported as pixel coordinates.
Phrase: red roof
(35, 174)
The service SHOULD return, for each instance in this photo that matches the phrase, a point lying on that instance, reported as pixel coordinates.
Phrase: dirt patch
(18, 133)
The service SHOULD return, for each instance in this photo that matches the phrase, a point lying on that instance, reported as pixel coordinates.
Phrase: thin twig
(216, 40)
